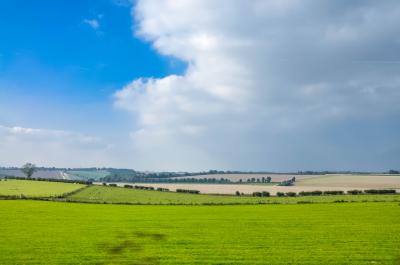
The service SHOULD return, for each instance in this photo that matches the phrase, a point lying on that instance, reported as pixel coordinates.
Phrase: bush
(104, 184)
(310, 193)
(128, 186)
(257, 194)
(112, 185)
(372, 191)
(188, 191)
(333, 192)
(280, 194)
(237, 193)
(354, 192)
(265, 194)
(291, 194)
(162, 189)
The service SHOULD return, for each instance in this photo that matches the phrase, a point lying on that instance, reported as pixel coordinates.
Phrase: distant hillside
(41, 173)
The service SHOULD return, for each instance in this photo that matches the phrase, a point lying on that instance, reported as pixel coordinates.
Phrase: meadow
(87, 174)
(72, 233)
(30, 188)
(106, 194)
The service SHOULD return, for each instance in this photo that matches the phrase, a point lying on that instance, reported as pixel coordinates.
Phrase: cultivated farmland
(230, 189)
(246, 176)
(303, 183)
(353, 181)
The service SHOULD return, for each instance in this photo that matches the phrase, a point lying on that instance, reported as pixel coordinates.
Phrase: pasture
(101, 194)
(71, 233)
(89, 174)
(36, 188)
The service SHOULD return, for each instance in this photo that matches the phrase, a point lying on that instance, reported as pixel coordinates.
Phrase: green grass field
(36, 188)
(38, 232)
(123, 195)
(89, 174)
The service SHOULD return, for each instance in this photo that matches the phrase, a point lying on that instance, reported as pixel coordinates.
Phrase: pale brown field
(353, 181)
(244, 177)
(232, 188)
(303, 183)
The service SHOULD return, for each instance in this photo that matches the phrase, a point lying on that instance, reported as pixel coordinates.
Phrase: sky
(179, 85)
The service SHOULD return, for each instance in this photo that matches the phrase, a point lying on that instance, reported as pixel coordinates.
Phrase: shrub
(162, 189)
(112, 185)
(237, 193)
(310, 193)
(372, 191)
(280, 194)
(291, 194)
(354, 192)
(265, 194)
(128, 186)
(104, 184)
(188, 191)
(257, 194)
(333, 192)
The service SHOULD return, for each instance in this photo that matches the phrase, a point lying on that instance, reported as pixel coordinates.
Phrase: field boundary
(289, 198)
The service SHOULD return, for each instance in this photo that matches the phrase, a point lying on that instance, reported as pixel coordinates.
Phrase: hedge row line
(50, 180)
(334, 192)
(136, 187)
(188, 191)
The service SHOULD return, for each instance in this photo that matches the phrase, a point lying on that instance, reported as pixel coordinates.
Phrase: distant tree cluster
(258, 180)
(289, 182)
(135, 179)
(28, 169)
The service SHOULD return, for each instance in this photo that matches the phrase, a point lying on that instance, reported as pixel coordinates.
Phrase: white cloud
(262, 74)
(93, 23)
(51, 147)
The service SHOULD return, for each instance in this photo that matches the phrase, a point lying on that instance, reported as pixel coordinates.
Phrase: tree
(269, 179)
(28, 169)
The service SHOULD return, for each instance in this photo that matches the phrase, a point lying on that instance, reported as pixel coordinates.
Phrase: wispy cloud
(93, 23)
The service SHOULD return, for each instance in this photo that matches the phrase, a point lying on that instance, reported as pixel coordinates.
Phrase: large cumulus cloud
(277, 84)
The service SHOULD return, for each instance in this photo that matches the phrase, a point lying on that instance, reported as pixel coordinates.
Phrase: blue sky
(196, 85)
(51, 58)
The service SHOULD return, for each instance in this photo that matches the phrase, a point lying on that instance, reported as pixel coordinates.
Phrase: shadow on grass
(132, 248)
